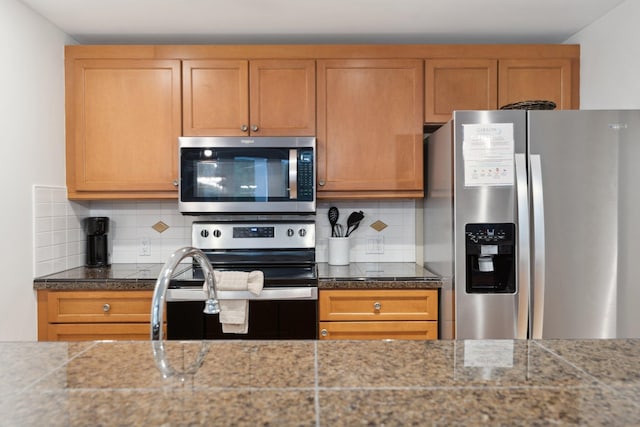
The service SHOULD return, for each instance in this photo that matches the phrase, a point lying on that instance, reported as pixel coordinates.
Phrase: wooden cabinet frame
(378, 314)
(152, 177)
(224, 97)
(93, 315)
(370, 128)
(123, 122)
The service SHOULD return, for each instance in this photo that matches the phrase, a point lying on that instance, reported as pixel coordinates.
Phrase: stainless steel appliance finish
(220, 175)
(284, 250)
(574, 209)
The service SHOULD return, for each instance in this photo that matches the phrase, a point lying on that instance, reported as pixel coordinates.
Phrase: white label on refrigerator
(488, 153)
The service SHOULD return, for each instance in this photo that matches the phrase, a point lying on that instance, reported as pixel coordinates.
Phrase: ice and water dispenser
(490, 258)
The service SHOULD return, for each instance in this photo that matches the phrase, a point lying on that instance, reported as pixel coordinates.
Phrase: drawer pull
(106, 308)
(377, 306)
(324, 332)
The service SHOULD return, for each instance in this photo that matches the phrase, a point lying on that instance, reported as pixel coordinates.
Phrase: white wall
(610, 59)
(31, 151)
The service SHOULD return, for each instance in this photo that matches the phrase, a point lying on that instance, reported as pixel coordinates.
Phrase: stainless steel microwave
(247, 175)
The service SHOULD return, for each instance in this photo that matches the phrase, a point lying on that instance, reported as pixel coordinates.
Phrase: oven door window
(229, 174)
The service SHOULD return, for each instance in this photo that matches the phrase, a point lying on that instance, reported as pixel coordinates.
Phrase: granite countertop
(143, 276)
(322, 383)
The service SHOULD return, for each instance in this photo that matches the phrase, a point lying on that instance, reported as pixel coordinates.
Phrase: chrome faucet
(211, 305)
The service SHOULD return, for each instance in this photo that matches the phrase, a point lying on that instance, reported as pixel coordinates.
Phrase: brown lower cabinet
(93, 315)
(378, 314)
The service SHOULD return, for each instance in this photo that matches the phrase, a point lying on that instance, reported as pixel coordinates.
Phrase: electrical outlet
(375, 245)
(145, 246)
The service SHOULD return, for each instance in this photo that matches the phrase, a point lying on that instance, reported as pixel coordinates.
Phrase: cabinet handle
(377, 306)
(106, 308)
(254, 128)
(175, 182)
(244, 128)
(321, 183)
(324, 332)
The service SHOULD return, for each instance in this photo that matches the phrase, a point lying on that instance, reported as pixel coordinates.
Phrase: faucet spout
(162, 284)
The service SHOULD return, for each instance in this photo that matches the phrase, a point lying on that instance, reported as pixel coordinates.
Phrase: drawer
(368, 305)
(102, 331)
(96, 307)
(401, 330)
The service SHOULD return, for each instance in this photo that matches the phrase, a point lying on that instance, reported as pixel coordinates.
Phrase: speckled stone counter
(115, 277)
(388, 275)
(322, 383)
(383, 275)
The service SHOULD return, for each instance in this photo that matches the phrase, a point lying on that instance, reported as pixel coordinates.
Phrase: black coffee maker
(96, 228)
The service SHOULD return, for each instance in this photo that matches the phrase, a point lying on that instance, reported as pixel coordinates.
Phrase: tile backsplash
(150, 231)
(58, 239)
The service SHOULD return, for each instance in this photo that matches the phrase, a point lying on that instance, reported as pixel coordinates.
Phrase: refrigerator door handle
(537, 202)
(524, 266)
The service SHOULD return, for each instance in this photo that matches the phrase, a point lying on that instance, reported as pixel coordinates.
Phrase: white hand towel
(234, 314)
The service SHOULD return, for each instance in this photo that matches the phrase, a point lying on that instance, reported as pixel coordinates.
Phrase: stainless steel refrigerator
(533, 219)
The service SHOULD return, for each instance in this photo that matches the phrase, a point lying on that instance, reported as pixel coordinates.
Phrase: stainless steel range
(284, 250)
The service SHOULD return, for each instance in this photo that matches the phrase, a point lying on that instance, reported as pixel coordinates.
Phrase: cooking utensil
(353, 222)
(333, 219)
(339, 231)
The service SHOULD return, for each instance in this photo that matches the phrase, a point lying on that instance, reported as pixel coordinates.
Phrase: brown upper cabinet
(488, 84)
(127, 105)
(370, 128)
(459, 84)
(123, 123)
(257, 97)
(535, 79)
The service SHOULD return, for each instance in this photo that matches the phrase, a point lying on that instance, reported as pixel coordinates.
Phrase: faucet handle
(211, 306)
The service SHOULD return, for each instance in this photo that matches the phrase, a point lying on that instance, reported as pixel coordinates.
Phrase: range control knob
(204, 233)
(216, 233)
(302, 232)
(290, 232)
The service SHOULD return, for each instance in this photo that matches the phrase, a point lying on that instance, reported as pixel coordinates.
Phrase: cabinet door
(282, 97)
(99, 306)
(388, 304)
(103, 331)
(123, 123)
(535, 79)
(370, 128)
(459, 84)
(378, 330)
(215, 97)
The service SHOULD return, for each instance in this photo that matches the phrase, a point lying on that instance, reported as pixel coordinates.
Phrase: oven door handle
(195, 294)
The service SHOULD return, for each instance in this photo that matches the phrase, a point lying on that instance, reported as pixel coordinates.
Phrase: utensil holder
(338, 251)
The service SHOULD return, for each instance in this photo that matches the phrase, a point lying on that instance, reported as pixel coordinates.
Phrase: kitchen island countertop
(322, 383)
(143, 276)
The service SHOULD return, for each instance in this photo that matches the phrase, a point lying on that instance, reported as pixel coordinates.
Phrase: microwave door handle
(293, 174)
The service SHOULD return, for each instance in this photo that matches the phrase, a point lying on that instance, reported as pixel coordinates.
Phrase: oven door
(239, 175)
(277, 313)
